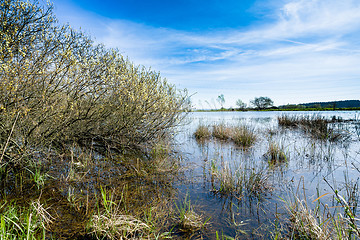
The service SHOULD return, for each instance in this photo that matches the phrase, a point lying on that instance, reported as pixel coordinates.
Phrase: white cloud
(307, 53)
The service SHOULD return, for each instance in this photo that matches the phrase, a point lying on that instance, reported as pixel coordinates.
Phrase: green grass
(19, 222)
(187, 219)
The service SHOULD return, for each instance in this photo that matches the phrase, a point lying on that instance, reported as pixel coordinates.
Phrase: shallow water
(309, 162)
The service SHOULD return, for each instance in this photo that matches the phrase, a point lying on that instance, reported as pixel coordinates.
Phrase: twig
(8, 140)
(355, 167)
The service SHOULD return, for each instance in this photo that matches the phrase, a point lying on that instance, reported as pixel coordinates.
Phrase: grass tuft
(276, 153)
(239, 181)
(221, 132)
(187, 219)
(202, 132)
(244, 136)
(316, 126)
(112, 223)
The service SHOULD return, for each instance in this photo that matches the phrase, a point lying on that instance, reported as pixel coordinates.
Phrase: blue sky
(293, 51)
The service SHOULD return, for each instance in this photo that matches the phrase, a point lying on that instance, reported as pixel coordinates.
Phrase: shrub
(57, 88)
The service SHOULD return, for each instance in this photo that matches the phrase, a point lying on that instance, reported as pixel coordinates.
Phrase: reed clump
(202, 132)
(239, 181)
(243, 135)
(321, 221)
(276, 153)
(306, 224)
(112, 223)
(316, 126)
(188, 221)
(221, 132)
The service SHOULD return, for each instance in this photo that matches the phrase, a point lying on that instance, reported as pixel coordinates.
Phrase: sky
(292, 51)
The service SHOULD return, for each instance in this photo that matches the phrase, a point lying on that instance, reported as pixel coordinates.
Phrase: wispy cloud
(306, 53)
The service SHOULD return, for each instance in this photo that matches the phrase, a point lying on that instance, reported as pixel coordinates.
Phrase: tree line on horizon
(262, 103)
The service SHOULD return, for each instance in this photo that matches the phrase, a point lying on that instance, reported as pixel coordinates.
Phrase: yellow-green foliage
(58, 87)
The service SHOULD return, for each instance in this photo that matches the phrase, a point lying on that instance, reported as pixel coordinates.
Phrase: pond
(311, 168)
(257, 175)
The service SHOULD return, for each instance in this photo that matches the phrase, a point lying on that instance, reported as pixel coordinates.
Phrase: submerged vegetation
(240, 181)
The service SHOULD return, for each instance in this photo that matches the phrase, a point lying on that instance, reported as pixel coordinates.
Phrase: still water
(312, 168)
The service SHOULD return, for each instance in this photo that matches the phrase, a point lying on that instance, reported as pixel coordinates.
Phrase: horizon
(292, 51)
(294, 104)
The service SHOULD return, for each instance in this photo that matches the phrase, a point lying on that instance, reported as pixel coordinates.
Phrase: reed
(239, 181)
(320, 221)
(276, 153)
(316, 126)
(202, 132)
(221, 132)
(187, 219)
(244, 136)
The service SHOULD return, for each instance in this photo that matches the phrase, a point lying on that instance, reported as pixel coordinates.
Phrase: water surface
(309, 163)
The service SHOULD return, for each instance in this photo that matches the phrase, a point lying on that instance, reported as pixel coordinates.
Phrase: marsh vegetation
(82, 133)
(92, 148)
(298, 180)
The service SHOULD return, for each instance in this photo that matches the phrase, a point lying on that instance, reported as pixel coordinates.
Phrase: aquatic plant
(202, 132)
(244, 136)
(316, 126)
(239, 180)
(321, 221)
(187, 219)
(112, 223)
(18, 222)
(276, 153)
(221, 131)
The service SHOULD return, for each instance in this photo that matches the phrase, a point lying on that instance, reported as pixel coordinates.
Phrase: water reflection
(306, 160)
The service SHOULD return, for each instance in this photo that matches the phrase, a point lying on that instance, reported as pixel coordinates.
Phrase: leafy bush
(57, 87)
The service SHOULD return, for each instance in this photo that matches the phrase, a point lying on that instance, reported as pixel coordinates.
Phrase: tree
(241, 104)
(262, 102)
(221, 100)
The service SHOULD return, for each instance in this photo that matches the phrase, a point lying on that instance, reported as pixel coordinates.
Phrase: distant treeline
(331, 105)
